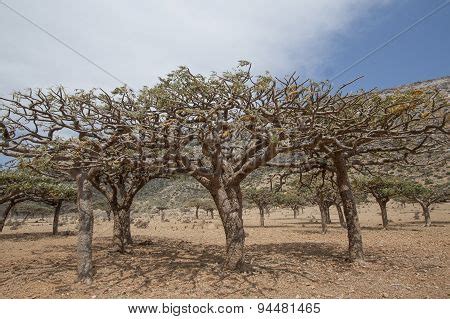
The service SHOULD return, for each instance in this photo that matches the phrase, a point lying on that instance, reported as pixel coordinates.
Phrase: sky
(137, 42)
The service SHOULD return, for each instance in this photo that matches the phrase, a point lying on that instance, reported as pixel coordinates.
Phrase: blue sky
(137, 43)
(419, 54)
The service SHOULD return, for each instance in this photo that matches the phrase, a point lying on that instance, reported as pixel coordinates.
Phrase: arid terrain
(289, 258)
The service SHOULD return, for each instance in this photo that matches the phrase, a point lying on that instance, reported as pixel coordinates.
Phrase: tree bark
(6, 214)
(384, 216)
(341, 215)
(56, 217)
(355, 247)
(121, 230)
(86, 227)
(426, 214)
(323, 218)
(261, 217)
(229, 205)
(327, 213)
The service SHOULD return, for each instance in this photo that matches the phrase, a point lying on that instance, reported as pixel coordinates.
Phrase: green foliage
(381, 187)
(262, 198)
(201, 203)
(413, 191)
(293, 199)
(28, 185)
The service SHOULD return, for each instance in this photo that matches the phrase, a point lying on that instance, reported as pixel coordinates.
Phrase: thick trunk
(261, 217)
(323, 218)
(426, 214)
(6, 214)
(384, 216)
(121, 230)
(341, 215)
(229, 205)
(86, 227)
(350, 212)
(56, 218)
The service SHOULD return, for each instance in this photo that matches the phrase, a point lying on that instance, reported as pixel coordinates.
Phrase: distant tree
(263, 199)
(425, 195)
(201, 203)
(22, 185)
(382, 188)
(293, 199)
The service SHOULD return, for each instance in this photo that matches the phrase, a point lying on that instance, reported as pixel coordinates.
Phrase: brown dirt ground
(290, 259)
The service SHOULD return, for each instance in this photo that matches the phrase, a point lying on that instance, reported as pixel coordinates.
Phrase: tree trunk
(229, 205)
(355, 247)
(212, 213)
(56, 217)
(327, 213)
(121, 230)
(295, 209)
(6, 214)
(261, 217)
(86, 228)
(426, 214)
(196, 212)
(323, 218)
(341, 215)
(384, 216)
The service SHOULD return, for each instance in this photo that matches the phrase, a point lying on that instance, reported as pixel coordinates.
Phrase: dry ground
(290, 259)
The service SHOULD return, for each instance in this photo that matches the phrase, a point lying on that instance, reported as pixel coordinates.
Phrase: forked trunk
(6, 214)
(86, 227)
(56, 217)
(341, 216)
(121, 230)
(229, 205)
(355, 246)
(384, 216)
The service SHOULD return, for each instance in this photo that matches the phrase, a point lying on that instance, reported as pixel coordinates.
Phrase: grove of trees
(219, 129)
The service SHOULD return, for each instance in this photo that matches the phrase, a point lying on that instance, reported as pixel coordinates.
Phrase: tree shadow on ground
(270, 226)
(35, 236)
(402, 226)
(160, 267)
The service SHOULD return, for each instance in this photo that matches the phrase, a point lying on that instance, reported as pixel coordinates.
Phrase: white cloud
(141, 40)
